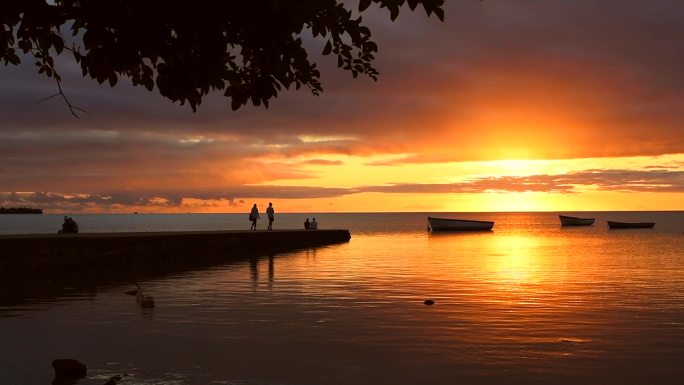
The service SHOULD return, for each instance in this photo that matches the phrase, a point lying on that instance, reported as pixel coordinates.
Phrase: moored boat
(630, 225)
(574, 221)
(445, 224)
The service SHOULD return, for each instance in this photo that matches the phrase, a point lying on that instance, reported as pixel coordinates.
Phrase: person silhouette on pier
(313, 225)
(254, 216)
(307, 224)
(271, 215)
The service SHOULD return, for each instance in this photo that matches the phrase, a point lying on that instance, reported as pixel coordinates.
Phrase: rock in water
(66, 367)
(429, 302)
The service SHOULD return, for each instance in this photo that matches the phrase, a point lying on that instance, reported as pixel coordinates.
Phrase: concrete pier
(48, 255)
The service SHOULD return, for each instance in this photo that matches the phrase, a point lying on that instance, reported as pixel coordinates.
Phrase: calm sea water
(529, 303)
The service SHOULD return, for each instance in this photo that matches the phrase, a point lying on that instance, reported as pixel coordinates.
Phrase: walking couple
(254, 216)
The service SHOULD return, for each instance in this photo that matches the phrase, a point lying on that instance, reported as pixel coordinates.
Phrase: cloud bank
(654, 180)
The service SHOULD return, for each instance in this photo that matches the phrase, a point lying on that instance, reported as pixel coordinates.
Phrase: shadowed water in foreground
(527, 303)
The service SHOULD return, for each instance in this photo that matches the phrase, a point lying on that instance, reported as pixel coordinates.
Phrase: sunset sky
(524, 105)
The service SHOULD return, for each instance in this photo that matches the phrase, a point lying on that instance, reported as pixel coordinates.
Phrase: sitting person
(74, 225)
(307, 224)
(314, 224)
(69, 226)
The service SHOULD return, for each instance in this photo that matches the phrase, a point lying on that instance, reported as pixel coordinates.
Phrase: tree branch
(72, 108)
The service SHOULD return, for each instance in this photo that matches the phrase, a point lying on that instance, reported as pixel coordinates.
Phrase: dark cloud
(605, 180)
(319, 162)
(661, 180)
(420, 59)
(536, 183)
(163, 199)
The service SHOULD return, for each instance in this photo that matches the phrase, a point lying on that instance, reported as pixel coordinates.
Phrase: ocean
(527, 303)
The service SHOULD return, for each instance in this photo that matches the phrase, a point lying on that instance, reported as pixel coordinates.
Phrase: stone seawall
(147, 253)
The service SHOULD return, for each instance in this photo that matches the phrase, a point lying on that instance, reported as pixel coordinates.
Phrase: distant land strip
(20, 210)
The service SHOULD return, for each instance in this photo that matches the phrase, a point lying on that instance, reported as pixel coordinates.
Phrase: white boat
(444, 224)
(574, 221)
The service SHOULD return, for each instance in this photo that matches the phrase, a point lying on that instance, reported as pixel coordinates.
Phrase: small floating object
(429, 302)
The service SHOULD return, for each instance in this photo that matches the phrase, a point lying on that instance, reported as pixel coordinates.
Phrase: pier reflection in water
(254, 271)
(519, 306)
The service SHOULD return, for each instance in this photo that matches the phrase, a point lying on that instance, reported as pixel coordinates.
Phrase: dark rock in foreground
(68, 370)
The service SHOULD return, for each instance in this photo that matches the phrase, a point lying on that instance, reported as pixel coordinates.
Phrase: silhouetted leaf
(112, 79)
(25, 45)
(363, 4)
(394, 12)
(440, 13)
(12, 58)
(57, 42)
(328, 48)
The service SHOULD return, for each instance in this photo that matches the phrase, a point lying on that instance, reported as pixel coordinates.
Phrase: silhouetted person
(307, 224)
(314, 224)
(254, 216)
(69, 226)
(271, 215)
(65, 226)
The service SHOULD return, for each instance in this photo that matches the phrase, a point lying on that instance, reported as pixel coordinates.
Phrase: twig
(44, 99)
(72, 108)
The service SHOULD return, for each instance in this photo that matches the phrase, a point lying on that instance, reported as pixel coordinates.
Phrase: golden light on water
(513, 258)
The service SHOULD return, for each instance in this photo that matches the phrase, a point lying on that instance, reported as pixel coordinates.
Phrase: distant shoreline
(20, 210)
